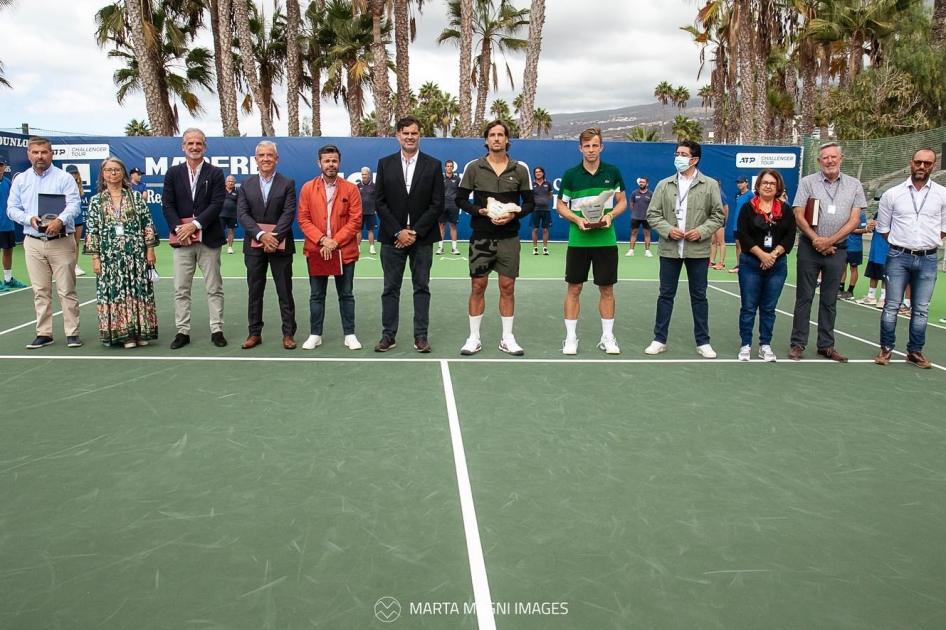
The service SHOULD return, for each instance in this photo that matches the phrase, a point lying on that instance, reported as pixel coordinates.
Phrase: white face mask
(681, 163)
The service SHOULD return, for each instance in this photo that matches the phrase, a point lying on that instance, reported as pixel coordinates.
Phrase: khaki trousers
(47, 261)
(186, 261)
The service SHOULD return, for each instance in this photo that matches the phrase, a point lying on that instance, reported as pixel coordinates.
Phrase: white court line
(474, 548)
(30, 323)
(836, 331)
(6, 293)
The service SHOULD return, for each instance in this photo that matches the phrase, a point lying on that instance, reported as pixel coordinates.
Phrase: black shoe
(74, 341)
(39, 342)
(218, 339)
(385, 344)
(180, 340)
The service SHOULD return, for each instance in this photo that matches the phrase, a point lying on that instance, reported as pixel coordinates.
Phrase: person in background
(541, 217)
(369, 217)
(7, 233)
(766, 228)
(639, 202)
(228, 216)
(451, 213)
(875, 270)
(83, 208)
(744, 195)
(855, 256)
(121, 239)
(139, 186)
(718, 242)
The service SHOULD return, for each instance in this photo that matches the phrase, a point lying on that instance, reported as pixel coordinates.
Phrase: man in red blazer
(330, 218)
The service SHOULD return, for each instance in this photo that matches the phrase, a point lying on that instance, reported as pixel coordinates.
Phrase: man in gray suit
(266, 208)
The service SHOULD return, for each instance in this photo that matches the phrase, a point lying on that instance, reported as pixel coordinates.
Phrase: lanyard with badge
(117, 213)
(832, 208)
(682, 200)
(916, 222)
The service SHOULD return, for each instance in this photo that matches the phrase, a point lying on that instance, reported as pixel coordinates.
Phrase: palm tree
(664, 94)
(312, 23)
(269, 56)
(531, 76)
(137, 127)
(221, 23)
(3, 5)
(706, 93)
(293, 64)
(499, 109)
(681, 97)
(496, 26)
(466, 67)
(241, 14)
(345, 40)
(543, 122)
(686, 128)
(642, 134)
(379, 71)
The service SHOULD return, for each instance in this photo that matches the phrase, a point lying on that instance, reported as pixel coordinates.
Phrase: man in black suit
(409, 201)
(266, 207)
(192, 200)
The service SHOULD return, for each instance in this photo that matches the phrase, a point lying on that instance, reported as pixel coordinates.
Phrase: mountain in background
(615, 123)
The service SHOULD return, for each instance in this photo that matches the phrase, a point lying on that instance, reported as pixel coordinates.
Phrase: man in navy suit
(409, 202)
(192, 200)
(268, 199)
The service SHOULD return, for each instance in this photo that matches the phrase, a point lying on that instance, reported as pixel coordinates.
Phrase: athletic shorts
(7, 239)
(855, 257)
(636, 223)
(876, 271)
(228, 223)
(604, 260)
(369, 221)
(487, 255)
(450, 215)
(541, 219)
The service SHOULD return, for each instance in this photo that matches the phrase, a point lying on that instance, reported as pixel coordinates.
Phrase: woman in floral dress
(121, 238)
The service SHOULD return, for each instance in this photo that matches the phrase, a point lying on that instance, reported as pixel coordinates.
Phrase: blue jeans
(393, 261)
(919, 272)
(346, 300)
(760, 289)
(697, 270)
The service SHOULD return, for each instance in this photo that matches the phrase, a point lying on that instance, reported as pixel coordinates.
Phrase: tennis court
(223, 488)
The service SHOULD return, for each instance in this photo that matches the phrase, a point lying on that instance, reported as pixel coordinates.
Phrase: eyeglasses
(926, 163)
(761, 184)
(111, 170)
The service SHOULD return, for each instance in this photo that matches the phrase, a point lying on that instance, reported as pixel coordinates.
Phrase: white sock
(7, 275)
(507, 326)
(607, 327)
(883, 295)
(475, 321)
(571, 328)
(440, 244)
(872, 292)
(454, 244)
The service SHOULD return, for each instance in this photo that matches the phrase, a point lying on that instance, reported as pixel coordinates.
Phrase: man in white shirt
(912, 218)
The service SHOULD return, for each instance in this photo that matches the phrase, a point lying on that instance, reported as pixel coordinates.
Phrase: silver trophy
(593, 211)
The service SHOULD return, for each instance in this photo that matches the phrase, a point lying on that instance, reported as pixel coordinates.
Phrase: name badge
(119, 230)
(916, 226)
(832, 209)
(767, 244)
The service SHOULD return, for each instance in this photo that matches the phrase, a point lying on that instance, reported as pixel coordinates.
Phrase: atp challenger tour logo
(765, 160)
(388, 609)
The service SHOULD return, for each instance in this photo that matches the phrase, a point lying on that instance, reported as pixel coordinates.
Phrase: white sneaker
(629, 253)
(472, 346)
(647, 254)
(79, 271)
(535, 251)
(351, 341)
(609, 344)
(455, 251)
(870, 301)
(509, 346)
(745, 352)
(706, 351)
(545, 251)
(942, 320)
(312, 342)
(570, 345)
(439, 250)
(655, 347)
(766, 354)
(229, 250)
(371, 250)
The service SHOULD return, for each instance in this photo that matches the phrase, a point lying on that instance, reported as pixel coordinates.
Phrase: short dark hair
(38, 140)
(779, 182)
(692, 145)
(329, 148)
(539, 168)
(405, 122)
(496, 123)
(449, 162)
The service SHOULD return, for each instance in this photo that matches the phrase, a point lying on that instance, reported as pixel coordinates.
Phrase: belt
(48, 238)
(915, 252)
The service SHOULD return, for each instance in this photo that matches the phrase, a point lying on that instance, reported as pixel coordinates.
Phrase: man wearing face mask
(686, 210)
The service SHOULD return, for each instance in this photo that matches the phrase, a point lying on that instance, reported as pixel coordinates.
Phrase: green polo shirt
(579, 186)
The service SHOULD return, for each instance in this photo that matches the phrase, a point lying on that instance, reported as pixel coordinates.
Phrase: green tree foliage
(880, 102)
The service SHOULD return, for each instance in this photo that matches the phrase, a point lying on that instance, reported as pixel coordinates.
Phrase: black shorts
(876, 271)
(450, 215)
(7, 239)
(636, 223)
(228, 223)
(541, 219)
(604, 260)
(855, 258)
(369, 221)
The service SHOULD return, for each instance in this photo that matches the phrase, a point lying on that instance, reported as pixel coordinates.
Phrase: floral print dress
(124, 294)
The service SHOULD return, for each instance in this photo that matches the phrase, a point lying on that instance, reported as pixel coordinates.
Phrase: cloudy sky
(605, 58)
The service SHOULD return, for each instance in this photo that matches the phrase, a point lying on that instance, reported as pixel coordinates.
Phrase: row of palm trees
(326, 49)
(677, 96)
(769, 59)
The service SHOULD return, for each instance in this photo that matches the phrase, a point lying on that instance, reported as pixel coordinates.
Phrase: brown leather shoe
(796, 353)
(883, 357)
(288, 342)
(385, 344)
(917, 359)
(251, 342)
(831, 353)
(421, 344)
